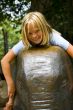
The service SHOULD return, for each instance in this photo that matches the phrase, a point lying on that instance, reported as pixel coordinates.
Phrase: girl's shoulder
(17, 47)
(57, 39)
(54, 33)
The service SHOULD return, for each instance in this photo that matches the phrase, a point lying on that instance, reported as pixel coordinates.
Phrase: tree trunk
(5, 34)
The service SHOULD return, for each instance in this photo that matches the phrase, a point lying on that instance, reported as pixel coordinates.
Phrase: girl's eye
(30, 33)
(37, 31)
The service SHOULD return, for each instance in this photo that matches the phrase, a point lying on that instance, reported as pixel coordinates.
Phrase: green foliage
(13, 9)
(11, 12)
(14, 35)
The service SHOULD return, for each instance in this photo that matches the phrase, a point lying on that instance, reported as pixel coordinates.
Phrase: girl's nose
(34, 35)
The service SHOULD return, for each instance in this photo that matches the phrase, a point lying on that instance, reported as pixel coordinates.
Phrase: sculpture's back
(42, 81)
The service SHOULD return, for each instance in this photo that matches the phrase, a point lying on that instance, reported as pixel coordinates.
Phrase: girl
(35, 32)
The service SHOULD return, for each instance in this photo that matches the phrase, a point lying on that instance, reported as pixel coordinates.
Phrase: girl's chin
(35, 43)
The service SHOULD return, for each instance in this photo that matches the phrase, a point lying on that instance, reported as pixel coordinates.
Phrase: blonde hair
(40, 21)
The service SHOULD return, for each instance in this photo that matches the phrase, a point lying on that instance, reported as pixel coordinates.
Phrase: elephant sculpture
(43, 79)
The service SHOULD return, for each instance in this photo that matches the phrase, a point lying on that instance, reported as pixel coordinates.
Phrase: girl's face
(34, 34)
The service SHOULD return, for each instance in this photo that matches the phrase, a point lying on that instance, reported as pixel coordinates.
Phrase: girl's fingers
(9, 104)
(8, 107)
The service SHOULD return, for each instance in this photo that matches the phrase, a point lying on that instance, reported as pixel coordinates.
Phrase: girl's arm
(5, 63)
(70, 76)
(57, 39)
(70, 50)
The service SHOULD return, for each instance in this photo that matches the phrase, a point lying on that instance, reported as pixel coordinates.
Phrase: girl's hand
(11, 92)
(9, 105)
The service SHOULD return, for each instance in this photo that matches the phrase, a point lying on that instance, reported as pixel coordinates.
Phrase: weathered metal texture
(42, 80)
(3, 94)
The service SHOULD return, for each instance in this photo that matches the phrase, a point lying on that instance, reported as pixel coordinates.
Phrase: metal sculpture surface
(42, 81)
